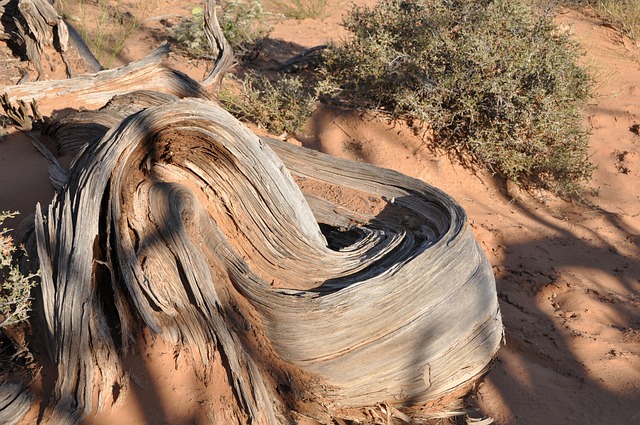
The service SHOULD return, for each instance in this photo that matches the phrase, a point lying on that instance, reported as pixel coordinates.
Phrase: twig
(302, 60)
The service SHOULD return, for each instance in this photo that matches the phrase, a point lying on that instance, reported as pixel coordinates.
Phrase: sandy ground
(568, 276)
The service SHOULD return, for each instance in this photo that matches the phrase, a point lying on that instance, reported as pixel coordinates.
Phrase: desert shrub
(244, 23)
(15, 289)
(282, 106)
(189, 34)
(497, 82)
(299, 9)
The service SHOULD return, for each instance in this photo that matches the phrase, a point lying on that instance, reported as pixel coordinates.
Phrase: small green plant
(497, 82)
(280, 107)
(15, 289)
(190, 35)
(299, 9)
(244, 23)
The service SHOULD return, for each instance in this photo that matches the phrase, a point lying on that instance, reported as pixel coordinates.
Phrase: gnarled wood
(220, 47)
(32, 25)
(15, 400)
(94, 90)
(199, 225)
(330, 288)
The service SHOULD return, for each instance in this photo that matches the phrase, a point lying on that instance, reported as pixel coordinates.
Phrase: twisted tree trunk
(175, 217)
(30, 26)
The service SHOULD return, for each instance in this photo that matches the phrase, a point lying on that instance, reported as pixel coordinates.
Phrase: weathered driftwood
(72, 133)
(220, 48)
(196, 226)
(94, 90)
(31, 26)
(20, 114)
(15, 400)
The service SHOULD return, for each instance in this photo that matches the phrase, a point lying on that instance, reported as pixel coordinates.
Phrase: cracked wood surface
(214, 237)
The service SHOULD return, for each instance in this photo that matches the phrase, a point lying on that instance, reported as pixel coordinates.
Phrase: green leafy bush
(497, 82)
(244, 23)
(282, 106)
(15, 289)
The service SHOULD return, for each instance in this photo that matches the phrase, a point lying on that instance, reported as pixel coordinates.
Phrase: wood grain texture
(15, 401)
(329, 288)
(94, 90)
(32, 26)
(221, 240)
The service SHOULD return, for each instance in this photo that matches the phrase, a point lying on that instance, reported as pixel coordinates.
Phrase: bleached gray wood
(220, 48)
(216, 242)
(94, 90)
(30, 26)
(15, 401)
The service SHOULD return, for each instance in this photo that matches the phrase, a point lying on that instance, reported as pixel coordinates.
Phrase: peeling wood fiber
(214, 237)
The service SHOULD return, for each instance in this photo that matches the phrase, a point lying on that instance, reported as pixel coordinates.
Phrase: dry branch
(220, 47)
(202, 229)
(94, 90)
(30, 26)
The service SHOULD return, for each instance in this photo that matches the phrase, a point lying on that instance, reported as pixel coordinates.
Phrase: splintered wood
(181, 219)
